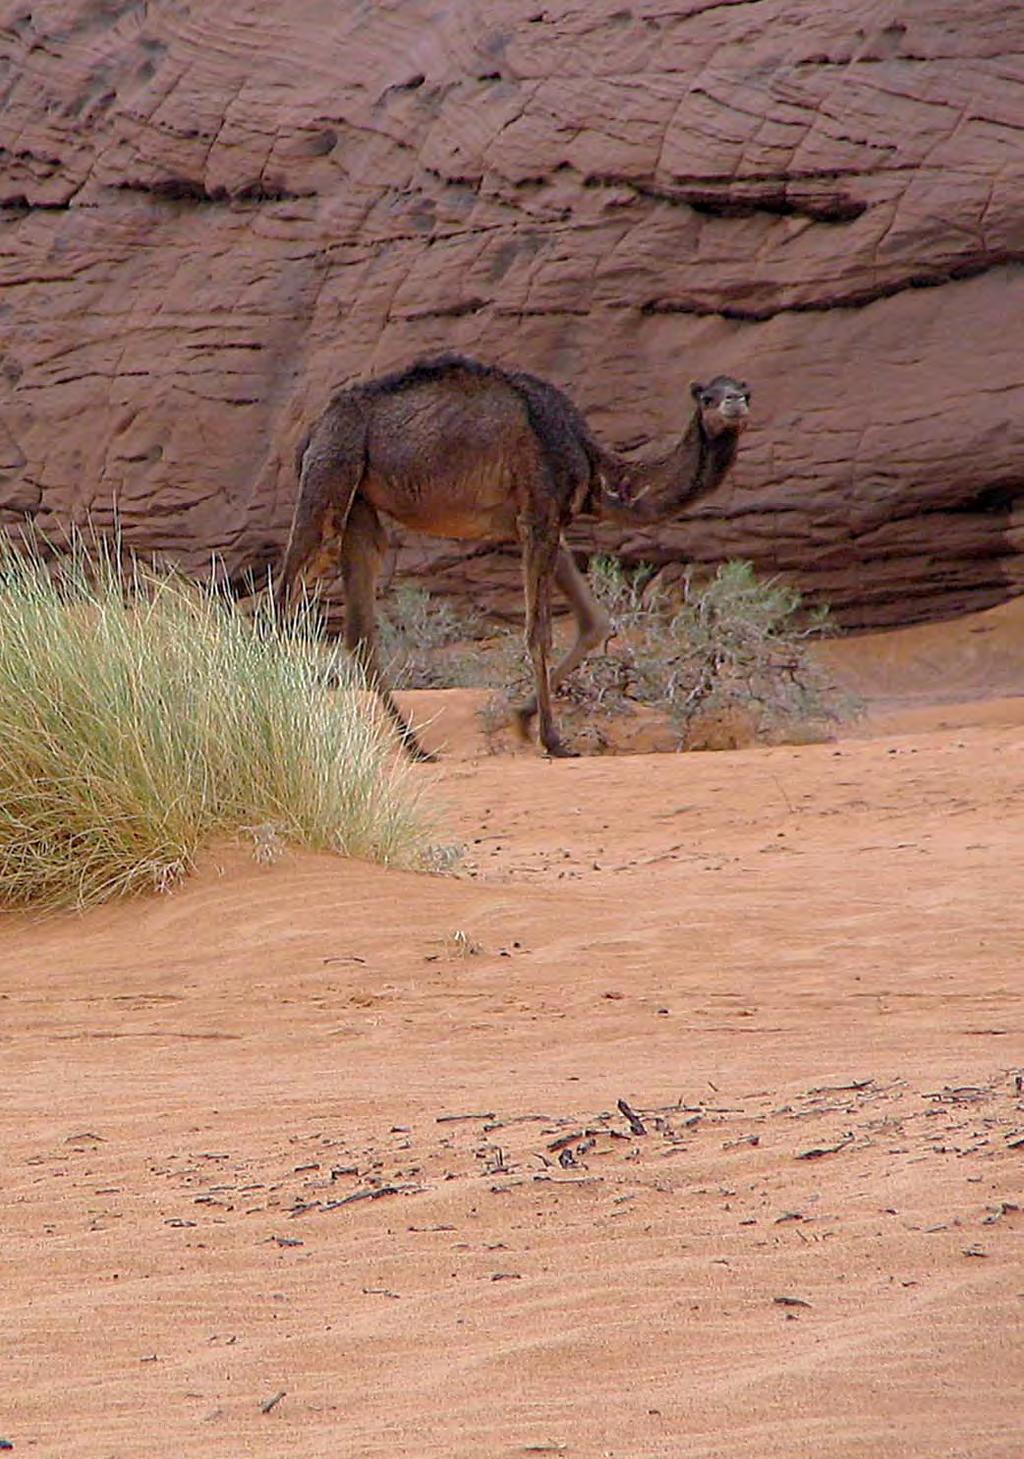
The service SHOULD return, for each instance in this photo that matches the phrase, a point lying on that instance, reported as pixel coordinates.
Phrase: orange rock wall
(211, 214)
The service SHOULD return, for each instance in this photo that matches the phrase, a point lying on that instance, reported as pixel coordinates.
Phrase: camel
(455, 448)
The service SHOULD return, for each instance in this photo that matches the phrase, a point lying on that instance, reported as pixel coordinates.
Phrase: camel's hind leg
(592, 626)
(362, 548)
(540, 541)
(330, 467)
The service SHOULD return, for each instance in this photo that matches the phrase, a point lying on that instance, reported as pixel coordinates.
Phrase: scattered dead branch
(634, 1121)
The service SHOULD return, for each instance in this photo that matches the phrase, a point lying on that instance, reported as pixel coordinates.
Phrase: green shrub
(141, 716)
(733, 642)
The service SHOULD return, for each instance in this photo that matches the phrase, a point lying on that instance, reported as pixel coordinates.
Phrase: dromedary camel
(455, 448)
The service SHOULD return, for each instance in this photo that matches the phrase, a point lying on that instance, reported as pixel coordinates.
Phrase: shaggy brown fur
(455, 448)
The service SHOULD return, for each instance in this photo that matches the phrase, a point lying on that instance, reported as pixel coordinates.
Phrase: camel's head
(724, 405)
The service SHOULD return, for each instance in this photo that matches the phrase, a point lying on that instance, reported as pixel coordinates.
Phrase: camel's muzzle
(734, 407)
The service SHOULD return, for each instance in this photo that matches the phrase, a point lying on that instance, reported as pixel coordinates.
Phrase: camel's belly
(484, 514)
(473, 528)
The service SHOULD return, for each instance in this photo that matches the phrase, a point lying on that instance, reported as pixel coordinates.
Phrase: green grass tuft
(141, 717)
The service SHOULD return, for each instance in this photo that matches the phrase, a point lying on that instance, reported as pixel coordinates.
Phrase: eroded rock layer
(210, 215)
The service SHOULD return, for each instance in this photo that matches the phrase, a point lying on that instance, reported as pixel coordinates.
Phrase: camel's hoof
(558, 751)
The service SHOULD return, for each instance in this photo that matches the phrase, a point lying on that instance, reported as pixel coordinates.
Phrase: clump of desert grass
(142, 717)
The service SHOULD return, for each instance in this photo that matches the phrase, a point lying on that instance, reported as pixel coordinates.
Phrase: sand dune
(346, 1144)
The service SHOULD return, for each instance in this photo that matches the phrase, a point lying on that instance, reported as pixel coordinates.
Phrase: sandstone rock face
(212, 214)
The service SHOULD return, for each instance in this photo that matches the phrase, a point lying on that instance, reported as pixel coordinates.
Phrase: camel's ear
(696, 390)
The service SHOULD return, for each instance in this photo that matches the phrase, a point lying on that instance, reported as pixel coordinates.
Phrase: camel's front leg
(540, 551)
(592, 627)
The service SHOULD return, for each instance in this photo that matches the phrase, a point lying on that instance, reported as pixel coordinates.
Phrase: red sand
(801, 966)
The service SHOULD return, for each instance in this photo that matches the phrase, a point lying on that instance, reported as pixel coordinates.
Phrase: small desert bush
(141, 716)
(732, 643)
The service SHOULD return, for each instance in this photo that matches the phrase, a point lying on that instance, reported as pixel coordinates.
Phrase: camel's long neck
(650, 491)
